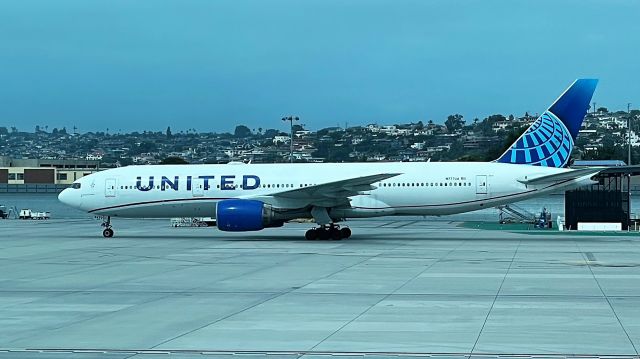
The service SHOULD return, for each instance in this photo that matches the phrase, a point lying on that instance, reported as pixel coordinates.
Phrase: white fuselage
(422, 188)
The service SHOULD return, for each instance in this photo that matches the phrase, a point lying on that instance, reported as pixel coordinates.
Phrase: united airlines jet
(251, 197)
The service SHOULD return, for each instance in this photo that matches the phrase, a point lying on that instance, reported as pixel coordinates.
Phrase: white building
(93, 157)
(280, 139)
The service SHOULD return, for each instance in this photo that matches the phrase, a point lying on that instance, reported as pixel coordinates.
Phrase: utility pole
(629, 131)
(291, 119)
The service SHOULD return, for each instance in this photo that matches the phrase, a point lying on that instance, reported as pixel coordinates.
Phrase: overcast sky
(210, 65)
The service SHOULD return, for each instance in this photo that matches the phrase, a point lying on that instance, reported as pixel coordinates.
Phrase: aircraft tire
(311, 234)
(107, 233)
(345, 232)
(335, 234)
(323, 234)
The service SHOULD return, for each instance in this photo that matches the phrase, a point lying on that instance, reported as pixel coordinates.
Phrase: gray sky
(212, 64)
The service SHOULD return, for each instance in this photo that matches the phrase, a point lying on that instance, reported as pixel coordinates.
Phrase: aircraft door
(197, 187)
(481, 184)
(110, 187)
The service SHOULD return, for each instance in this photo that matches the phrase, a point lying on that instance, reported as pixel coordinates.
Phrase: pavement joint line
(386, 224)
(606, 297)
(471, 295)
(82, 320)
(495, 298)
(406, 224)
(280, 294)
(128, 308)
(90, 290)
(389, 294)
(312, 352)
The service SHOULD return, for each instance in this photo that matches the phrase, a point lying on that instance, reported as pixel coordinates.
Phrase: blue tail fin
(549, 141)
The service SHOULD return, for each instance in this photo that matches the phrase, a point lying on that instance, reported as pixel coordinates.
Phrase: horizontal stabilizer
(562, 176)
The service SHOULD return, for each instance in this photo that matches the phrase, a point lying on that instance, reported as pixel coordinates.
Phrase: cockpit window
(75, 186)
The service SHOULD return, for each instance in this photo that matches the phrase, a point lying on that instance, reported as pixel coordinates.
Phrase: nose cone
(68, 197)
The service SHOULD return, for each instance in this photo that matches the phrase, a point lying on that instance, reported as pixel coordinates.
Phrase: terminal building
(42, 175)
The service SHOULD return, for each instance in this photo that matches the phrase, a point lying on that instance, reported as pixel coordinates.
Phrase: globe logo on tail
(547, 143)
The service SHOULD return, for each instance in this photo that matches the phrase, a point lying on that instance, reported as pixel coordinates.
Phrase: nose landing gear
(107, 232)
(332, 231)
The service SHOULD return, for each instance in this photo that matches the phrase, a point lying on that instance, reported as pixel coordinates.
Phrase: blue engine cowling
(241, 215)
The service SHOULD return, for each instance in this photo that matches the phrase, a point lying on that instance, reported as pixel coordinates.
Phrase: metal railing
(32, 188)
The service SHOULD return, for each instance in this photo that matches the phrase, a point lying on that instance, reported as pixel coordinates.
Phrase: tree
(271, 133)
(174, 161)
(169, 132)
(4, 131)
(454, 122)
(242, 131)
(126, 161)
(603, 110)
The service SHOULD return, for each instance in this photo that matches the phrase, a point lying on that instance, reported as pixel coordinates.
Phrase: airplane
(251, 197)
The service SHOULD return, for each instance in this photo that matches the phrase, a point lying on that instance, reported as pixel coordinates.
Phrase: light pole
(629, 131)
(291, 119)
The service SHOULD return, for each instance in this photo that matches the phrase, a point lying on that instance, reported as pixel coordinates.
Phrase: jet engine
(242, 215)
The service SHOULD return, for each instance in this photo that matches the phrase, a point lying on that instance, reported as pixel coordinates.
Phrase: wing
(328, 194)
(562, 176)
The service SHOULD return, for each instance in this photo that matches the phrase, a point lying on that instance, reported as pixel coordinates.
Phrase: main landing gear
(332, 232)
(107, 232)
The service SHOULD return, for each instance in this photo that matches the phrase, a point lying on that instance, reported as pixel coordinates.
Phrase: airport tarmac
(398, 287)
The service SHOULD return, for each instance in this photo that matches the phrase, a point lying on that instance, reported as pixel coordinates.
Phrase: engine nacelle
(243, 215)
